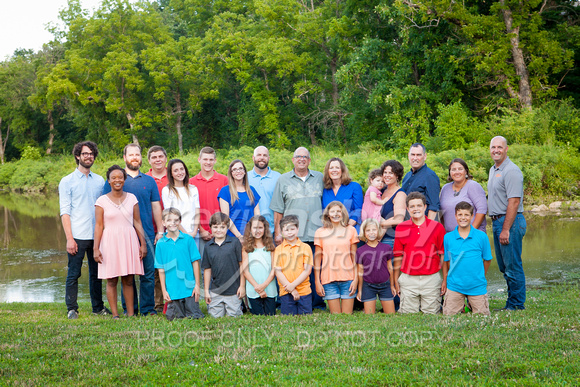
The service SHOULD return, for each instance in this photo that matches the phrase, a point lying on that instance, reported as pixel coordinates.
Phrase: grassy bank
(548, 170)
(532, 347)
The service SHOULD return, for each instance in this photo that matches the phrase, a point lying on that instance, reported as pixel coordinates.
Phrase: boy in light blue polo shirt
(177, 258)
(467, 256)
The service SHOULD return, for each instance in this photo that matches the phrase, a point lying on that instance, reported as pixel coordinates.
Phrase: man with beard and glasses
(77, 195)
(264, 180)
(145, 189)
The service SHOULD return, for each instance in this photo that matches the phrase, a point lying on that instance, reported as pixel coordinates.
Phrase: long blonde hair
(232, 183)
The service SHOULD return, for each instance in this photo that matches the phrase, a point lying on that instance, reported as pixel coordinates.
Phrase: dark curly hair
(79, 147)
(396, 167)
(116, 168)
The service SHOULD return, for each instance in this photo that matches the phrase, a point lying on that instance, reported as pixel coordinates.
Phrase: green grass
(39, 346)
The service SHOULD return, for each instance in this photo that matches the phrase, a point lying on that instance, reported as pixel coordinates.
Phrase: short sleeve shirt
(351, 195)
(175, 257)
(293, 196)
(375, 262)
(337, 263)
(208, 192)
(224, 262)
(466, 272)
(420, 246)
(471, 193)
(505, 182)
(291, 260)
(265, 186)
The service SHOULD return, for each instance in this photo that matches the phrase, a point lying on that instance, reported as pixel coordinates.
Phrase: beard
(133, 167)
(87, 164)
(261, 164)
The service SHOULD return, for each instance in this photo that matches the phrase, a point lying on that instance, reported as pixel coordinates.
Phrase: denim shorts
(338, 289)
(371, 291)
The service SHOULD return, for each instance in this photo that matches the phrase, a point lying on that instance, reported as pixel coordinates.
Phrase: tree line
(337, 73)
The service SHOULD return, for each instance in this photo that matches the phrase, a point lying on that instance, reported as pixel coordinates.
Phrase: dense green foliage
(548, 170)
(336, 73)
(537, 346)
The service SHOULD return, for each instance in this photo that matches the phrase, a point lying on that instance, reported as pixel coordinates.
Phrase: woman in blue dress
(338, 185)
(238, 199)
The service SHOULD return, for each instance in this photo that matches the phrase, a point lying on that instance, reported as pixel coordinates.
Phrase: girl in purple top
(462, 189)
(375, 270)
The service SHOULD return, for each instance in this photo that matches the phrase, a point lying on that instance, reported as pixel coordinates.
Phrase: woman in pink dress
(119, 243)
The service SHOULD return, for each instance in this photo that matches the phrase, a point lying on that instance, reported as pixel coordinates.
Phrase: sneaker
(103, 312)
(72, 314)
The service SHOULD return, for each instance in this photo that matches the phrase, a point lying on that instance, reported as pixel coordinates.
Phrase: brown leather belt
(496, 217)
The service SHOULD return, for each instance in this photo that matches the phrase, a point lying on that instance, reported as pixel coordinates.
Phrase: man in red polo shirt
(420, 276)
(157, 157)
(208, 183)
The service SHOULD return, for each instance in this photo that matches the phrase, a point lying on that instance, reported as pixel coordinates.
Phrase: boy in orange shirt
(293, 263)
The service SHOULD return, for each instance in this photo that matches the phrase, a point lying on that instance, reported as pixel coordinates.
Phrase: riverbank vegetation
(336, 74)
(537, 346)
(548, 170)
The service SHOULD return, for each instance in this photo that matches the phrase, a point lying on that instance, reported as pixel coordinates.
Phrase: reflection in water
(33, 260)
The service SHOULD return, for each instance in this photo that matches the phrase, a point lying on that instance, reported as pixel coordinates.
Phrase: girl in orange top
(335, 269)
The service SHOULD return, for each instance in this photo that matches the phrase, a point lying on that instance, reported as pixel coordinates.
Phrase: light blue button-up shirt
(265, 186)
(77, 195)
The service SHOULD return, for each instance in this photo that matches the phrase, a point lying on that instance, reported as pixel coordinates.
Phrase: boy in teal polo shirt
(177, 258)
(467, 256)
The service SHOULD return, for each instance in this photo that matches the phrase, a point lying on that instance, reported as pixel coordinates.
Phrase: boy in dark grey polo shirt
(224, 283)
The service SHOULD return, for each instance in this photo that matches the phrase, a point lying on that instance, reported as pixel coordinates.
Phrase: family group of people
(302, 239)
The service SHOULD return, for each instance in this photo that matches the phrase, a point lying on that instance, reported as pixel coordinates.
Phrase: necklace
(456, 193)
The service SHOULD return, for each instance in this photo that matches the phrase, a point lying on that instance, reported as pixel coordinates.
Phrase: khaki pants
(420, 293)
(455, 302)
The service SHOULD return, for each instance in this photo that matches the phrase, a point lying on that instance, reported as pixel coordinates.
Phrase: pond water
(33, 260)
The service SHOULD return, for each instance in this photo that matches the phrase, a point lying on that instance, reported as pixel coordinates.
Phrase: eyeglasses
(301, 157)
(87, 154)
(236, 170)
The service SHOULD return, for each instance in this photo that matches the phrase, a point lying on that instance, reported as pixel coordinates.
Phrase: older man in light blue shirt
(264, 180)
(77, 195)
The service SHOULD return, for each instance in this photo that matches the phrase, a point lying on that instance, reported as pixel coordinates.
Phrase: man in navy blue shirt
(145, 189)
(422, 179)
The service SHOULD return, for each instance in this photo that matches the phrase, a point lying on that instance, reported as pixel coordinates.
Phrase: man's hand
(71, 247)
(207, 297)
(142, 251)
(205, 235)
(157, 237)
(278, 239)
(504, 237)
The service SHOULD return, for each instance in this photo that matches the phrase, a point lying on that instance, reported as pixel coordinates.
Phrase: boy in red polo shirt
(420, 276)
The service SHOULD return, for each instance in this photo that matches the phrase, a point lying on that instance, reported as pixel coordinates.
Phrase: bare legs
(340, 306)
(127, 293)
(371, 306)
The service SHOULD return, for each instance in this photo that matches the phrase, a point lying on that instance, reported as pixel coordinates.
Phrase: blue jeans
(75, 264)
(146, 284)
(509, 260)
